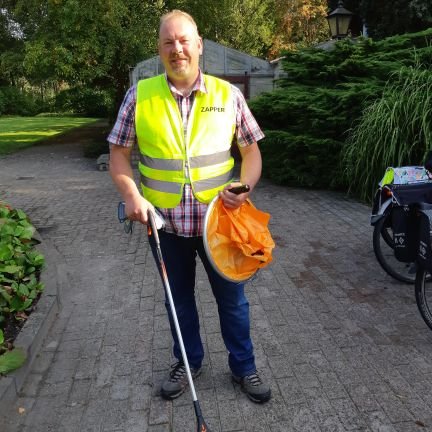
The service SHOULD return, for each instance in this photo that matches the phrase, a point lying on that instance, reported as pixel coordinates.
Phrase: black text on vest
(212, 109)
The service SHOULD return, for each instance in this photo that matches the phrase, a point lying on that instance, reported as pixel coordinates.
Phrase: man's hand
(233, 200)
(136, 209)
(136, 206)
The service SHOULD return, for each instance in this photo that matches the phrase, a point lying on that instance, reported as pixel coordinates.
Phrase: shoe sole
(167, 396)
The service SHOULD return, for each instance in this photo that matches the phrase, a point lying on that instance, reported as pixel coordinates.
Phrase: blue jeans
(179, 255)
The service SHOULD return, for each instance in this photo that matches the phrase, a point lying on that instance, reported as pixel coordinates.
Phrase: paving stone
(120, 388)
(160, 411)
(42, 362)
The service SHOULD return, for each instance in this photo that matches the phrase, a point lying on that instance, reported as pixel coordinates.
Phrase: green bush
(20, 267)
(299, 160)
(20, 264)
(16, 102)
(395, 130)
(322, 96)
(87, 102)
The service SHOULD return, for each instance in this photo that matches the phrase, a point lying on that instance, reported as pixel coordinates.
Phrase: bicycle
(401, 216)
(394, 237)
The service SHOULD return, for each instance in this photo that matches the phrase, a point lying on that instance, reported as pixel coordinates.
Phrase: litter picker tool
(153, 232)
(156, 222)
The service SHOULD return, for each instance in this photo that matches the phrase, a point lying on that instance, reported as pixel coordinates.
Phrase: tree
(86, 43)
(246, 25)
(323, 94)
(299, 23)
(385, 18)
(259, 27)
(11, 48)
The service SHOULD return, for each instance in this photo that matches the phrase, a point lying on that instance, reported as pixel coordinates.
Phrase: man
(184, 123)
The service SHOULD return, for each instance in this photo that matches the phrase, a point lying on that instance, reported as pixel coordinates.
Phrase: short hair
(177, 13)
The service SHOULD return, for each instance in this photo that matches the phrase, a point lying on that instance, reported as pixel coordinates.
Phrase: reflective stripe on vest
(194, 162)
(199, 186)
(162, 145)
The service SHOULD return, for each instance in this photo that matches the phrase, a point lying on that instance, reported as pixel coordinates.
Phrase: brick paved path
(342, 344)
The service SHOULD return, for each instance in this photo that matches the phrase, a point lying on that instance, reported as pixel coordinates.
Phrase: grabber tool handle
(152, 226)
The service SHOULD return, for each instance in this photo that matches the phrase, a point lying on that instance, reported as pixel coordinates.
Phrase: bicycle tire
(387, 232)
(383, 249)
(423, 295)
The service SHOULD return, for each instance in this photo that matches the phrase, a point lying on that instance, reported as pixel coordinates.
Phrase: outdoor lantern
(339, 21)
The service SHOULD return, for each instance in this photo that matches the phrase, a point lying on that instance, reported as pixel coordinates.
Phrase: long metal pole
(171, 302)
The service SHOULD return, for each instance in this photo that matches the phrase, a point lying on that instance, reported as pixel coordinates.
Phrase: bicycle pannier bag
(405, 234)
(424, 250)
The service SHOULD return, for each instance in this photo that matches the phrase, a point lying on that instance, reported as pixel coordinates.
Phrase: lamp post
(339, 21)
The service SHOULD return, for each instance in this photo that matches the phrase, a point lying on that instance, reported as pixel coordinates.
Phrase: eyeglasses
(121, 213)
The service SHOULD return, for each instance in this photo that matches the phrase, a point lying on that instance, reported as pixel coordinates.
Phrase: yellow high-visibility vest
(165, 150)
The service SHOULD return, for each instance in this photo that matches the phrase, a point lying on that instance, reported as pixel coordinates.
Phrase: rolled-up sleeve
(123, 133)
(247, 131)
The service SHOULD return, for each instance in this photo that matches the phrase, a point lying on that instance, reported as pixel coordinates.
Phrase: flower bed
(20, 288)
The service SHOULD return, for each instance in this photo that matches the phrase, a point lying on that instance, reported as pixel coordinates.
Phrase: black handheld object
(239, 189)
(121, 214)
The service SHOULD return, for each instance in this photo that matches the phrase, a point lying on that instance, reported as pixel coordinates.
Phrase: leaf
(35, 258)
(25, 232)
(4, 212)
(23, 290)
(1, 337)
(30, 270)
(21, 215)
(7, 230)
(17, 304)
(12, 360)
(6, 252)
(5, 295)
(11, 269)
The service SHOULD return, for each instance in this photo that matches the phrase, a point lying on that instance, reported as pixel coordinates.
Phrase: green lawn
(19, 132)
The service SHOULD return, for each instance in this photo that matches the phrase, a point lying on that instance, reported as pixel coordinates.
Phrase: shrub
(395, 130)
(299, 160)
(89, 102)
(20, 264)
(323, 95)
(16, 102)
(20, 267)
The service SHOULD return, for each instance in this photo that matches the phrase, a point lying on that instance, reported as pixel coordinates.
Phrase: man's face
(179, 48)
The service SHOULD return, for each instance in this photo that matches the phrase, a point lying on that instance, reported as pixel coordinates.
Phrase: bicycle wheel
(423, 294)
(383, 248)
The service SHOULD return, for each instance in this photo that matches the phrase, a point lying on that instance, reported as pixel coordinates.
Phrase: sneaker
(256, 390)
(177, 381)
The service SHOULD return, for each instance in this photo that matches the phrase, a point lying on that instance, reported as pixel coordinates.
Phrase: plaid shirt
(187, 219)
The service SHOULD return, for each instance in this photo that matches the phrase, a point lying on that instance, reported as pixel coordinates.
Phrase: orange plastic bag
(238, 242)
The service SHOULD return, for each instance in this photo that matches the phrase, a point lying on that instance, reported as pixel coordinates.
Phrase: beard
(179, 65)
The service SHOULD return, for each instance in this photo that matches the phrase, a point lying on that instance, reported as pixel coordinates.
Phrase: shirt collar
(198, 86)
